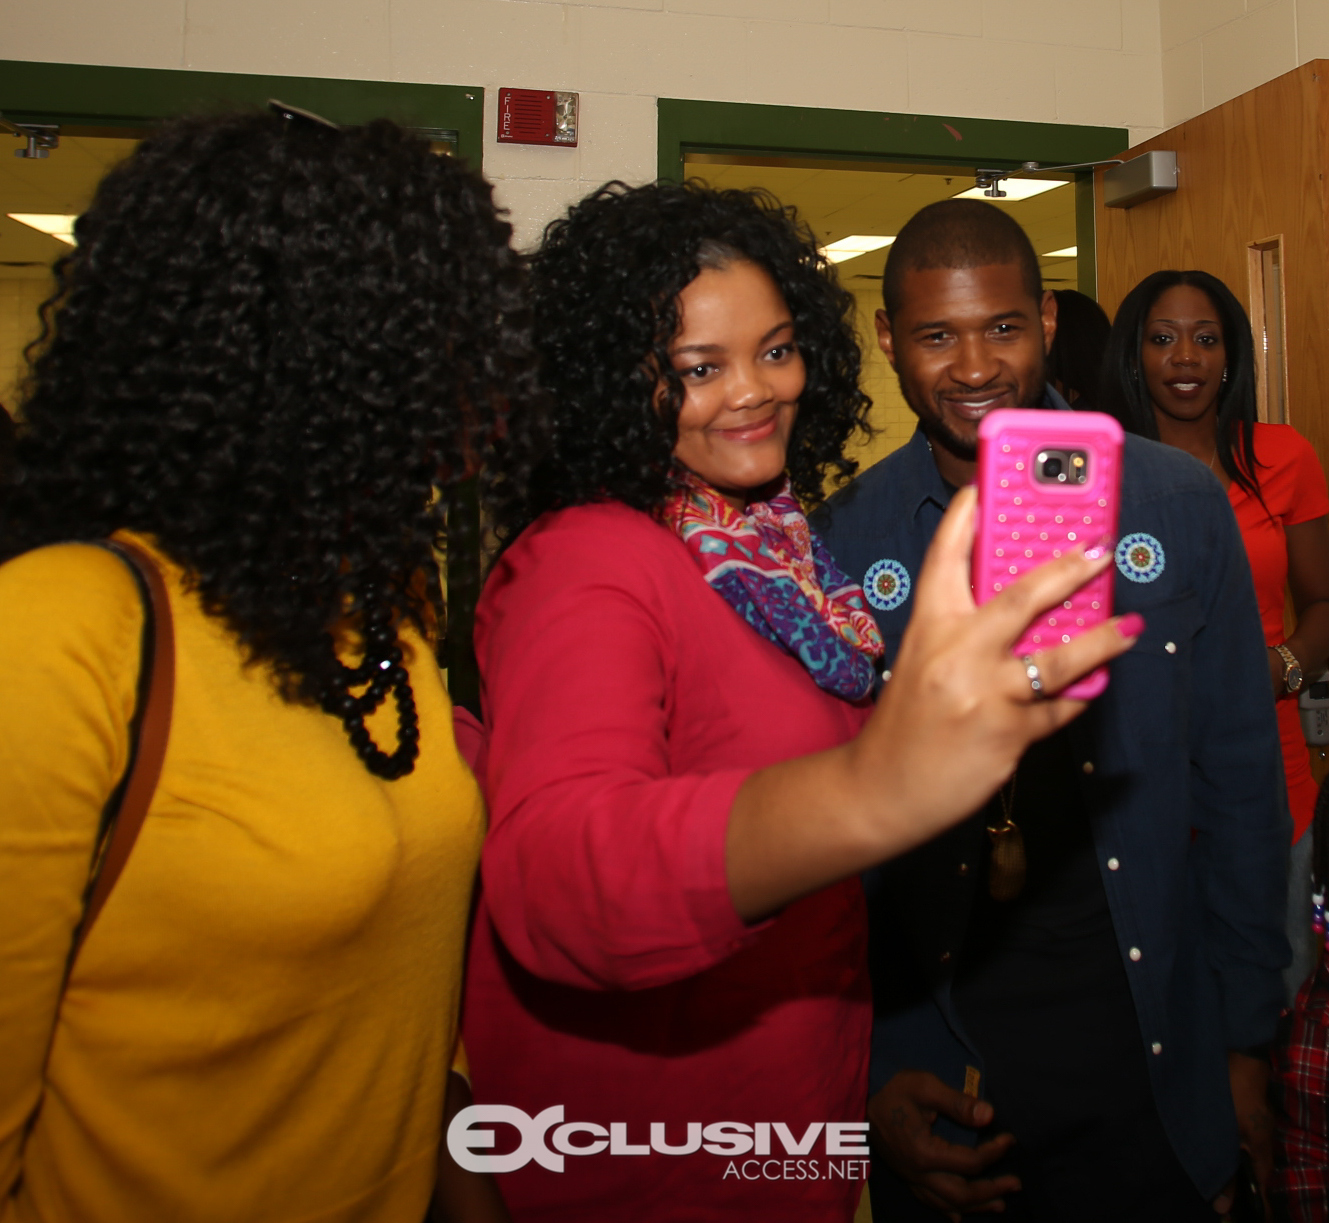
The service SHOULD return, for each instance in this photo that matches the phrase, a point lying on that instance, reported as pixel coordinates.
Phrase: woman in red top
(1181, 368)
(667, 969)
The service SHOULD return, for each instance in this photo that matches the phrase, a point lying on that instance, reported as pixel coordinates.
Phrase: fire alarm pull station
(537, 116)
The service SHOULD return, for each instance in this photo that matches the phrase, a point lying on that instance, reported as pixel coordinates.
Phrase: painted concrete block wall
(1070, 61)
(1213, 50)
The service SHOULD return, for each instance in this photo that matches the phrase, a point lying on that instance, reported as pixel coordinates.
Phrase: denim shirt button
(1171, 647)
(1088, 766)
(1113, 864)
(1136, 953)
(1156, 1048)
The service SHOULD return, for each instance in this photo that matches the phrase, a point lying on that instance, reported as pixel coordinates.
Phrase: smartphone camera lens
(1061, 467)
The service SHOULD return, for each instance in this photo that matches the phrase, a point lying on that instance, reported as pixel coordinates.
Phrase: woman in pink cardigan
(685, 769)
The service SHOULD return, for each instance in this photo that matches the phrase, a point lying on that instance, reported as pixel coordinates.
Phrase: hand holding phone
(1048, 481)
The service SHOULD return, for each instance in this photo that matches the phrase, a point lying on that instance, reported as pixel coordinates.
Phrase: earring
(1224, 373)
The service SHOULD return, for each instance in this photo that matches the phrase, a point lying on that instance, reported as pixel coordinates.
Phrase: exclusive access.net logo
(547, 1139)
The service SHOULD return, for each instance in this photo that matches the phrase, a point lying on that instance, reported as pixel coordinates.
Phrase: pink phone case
(1023, 522)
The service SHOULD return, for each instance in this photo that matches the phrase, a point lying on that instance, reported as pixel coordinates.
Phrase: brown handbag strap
(129, 806)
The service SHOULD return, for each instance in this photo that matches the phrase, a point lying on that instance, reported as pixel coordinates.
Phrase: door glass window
(1265, 261)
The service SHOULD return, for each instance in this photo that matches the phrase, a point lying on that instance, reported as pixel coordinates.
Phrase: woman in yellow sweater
(275, 346)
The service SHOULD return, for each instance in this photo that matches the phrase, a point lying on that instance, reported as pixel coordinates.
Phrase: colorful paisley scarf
(771, 568)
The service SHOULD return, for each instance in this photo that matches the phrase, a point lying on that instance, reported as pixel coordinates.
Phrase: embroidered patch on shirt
(886, 584)
(1140, 557)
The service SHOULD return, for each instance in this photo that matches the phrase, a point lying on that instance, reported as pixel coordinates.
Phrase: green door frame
(94, 98)
(98, 100)
(859, 136)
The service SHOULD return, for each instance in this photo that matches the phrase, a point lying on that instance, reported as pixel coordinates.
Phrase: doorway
(856, 210)
(863, 174)
(39, 200)
(92, 116)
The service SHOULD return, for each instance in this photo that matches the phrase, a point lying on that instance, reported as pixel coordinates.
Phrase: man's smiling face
(965, 341)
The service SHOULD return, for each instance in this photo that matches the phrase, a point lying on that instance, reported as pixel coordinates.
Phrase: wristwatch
(1292, 673)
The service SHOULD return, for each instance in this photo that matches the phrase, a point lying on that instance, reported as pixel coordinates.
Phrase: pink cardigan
(625, 704)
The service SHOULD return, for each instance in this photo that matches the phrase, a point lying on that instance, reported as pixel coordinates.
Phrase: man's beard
(939, 433)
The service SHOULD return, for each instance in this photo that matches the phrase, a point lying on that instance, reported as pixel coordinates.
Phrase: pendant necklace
(1007, 865)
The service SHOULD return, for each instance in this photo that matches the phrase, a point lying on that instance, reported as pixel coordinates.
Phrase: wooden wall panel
(1247, 170)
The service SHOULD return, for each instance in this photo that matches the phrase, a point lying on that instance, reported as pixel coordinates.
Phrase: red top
(625, 704)
(1293, 486)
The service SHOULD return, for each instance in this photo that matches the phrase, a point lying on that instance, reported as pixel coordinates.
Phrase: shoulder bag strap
(129, 803)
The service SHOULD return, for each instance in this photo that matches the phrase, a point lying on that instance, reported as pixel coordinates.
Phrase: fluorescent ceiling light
(855, 245)
(53, 223)
(1066, 252)
(1015, 188)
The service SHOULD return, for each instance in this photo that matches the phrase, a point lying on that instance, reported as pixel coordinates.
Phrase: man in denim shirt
(1092, 1034)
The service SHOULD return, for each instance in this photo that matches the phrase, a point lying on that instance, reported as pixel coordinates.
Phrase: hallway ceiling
(838, 203)
(61, 183)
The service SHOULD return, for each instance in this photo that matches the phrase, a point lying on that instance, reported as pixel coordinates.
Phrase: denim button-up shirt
(1181, 773)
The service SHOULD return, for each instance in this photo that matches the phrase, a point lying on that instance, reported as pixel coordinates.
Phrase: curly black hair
(605, 286)
(276, 349)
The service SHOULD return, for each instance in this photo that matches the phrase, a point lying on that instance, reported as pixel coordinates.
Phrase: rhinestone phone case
(1024, 521)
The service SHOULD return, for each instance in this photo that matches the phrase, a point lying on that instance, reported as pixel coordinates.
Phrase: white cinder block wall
(1214, 50)
(1138, 64)
(1068, 61)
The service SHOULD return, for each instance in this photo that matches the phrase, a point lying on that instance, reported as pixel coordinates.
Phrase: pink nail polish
(1104, 545)
(1131, 625)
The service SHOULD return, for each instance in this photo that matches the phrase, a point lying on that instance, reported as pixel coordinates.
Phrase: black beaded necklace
(381, 669)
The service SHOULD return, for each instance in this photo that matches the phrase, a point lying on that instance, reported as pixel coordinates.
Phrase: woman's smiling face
(1182, 353)
(742, 375)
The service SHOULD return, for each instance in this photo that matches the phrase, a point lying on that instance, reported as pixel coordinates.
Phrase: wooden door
(1250, 195)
